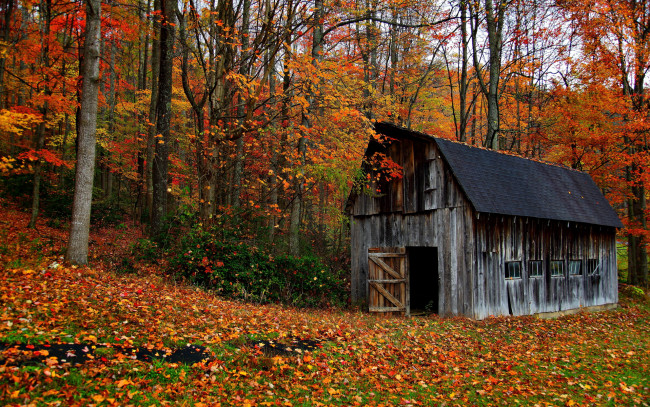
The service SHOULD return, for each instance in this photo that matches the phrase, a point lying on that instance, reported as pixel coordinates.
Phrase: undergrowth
(239, 270)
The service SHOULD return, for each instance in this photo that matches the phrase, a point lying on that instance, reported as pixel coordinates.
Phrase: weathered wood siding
(504, 238)
(427, 208)
(388, 281)
(425, 183)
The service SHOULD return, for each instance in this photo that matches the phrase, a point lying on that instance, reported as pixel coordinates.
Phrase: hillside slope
(273, 355)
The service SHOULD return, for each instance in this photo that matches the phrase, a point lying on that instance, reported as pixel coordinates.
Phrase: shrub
(57, 202)
(106, 213)
(145, 250)
(18, 186)
(238, 270)
(55, 196)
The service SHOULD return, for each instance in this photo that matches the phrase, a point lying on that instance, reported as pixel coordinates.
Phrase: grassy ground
(584, 359)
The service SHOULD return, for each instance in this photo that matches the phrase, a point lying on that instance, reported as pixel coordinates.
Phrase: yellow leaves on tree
(16, 122)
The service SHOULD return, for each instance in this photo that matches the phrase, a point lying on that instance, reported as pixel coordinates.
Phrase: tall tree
(616, 36)
(198, 106)
(297, 204)
(241, 110)
(79, 228)
(463, 84)
(46, 21)
(8, 8)
(494, 15)
(163, 116)
(153, 108)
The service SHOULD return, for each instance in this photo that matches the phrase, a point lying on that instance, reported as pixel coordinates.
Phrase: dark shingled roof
(503, 184)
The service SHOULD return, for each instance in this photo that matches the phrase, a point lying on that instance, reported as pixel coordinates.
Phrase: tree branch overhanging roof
(503, 184)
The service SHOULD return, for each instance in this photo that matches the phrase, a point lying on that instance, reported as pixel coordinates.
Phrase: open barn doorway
(423, 279)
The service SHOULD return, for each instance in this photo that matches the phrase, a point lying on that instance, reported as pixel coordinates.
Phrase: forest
(247, 119)
(174, 177)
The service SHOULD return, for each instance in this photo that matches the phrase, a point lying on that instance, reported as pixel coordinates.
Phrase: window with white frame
(575, 268)
(535, 268)
(557, 268)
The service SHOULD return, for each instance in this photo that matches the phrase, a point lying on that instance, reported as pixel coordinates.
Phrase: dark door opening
(423, 279)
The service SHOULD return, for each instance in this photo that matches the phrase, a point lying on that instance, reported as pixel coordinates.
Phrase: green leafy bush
(55, 195)
(106, 212)
(145, 250)
(634, 291)
(19, 186)
(57, 202)
(241, 271)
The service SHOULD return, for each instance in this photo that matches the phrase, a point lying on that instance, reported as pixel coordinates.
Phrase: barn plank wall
(427, 208)
(397, 230)
(507, 238)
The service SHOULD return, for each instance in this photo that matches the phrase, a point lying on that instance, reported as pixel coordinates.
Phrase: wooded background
(254, 114)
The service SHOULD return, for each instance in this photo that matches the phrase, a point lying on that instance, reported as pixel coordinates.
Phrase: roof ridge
(503, 152)
(508, 153)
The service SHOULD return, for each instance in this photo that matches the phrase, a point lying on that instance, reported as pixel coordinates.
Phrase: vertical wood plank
(408, 167)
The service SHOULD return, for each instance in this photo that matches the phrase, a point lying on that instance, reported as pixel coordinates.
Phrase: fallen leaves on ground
(352, 359)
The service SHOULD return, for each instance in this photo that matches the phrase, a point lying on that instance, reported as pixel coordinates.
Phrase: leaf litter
(275, 355)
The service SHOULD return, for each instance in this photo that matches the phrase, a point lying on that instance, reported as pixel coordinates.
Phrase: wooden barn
(474, 232)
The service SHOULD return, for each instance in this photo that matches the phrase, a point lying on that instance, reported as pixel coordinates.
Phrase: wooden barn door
(388, 281)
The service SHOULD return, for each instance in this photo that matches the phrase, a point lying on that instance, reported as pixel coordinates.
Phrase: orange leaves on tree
(48, 156)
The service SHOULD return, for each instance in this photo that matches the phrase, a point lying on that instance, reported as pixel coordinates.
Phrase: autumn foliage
(257, 120)
(272, 103)
(255, 351)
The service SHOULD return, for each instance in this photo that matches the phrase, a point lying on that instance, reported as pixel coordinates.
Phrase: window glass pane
(575, 267)
(535, 268)
(557, 268)
(513, 269)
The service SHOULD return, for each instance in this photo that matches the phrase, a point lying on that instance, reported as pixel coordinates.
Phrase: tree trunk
(112, 101)
(163, 117)
(393, 54)
(297, 205)
(46, 15)
(80, 226)
(143, 54)
(638, 144)
(141, 201)
(495, 34)
(273, 178)
(241, 113)
(8, 8)
(495, 18)
(464, 83)
(38, 169)
(297, 202)
(198, 106)
(637, 254)
(369, 56)
(155, 73)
